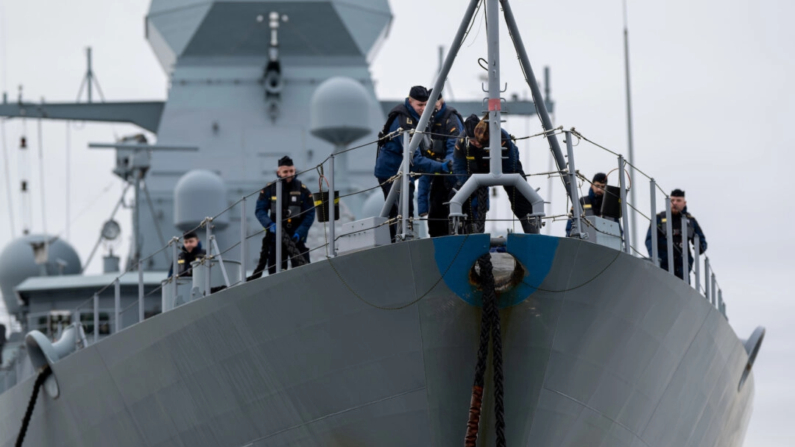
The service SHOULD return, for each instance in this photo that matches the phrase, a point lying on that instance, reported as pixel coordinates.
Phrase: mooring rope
(32, 404)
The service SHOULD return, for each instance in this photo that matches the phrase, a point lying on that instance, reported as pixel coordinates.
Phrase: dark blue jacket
(662, 248)
(390, 156)
(476, 164)
(184, 258)
(592, 197)
(450, 128)
(297, 224)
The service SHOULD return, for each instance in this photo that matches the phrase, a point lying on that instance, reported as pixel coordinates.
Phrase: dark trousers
(267, 256)
(393, 212)
(678, 268)
(439, 209)
(520, 206)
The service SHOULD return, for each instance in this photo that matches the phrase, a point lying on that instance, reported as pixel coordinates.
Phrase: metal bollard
(331, 248)
(117, 304)
(576, 228)
(243, 231)
(696, 264)
(140, 291)
(96, 317)
(655, 250)
(685, 250)
(278, 226)
(669, 235)
(624, 207)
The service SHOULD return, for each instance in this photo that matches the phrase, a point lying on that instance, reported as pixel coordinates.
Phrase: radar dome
(199, 193)
(339, 111)
(18, 263)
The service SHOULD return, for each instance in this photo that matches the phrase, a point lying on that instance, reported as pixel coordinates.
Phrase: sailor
(433, 191)
(678, 209)
(404, 116)
(191, 251)
(592, 203)
(471, 157)
(298, 214)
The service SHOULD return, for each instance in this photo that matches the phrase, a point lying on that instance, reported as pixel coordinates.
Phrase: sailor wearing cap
(404, 116)
(592, 203)
(678, 209)
(191, 251)
(433, 191)
(471, 157)
(298, 214)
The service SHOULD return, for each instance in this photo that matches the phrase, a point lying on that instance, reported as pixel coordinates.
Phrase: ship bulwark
(378, 348)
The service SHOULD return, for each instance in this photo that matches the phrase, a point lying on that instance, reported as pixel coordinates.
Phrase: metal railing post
(624, 207)
(332, 213)
(208, 235)
(696, 264)
(669, 236)
(706, 277)
(404, 189)
(655, 249)
(117, 304)
(576, 228)
(243, 231)
(174, 267)
(713, 292)
(140, 291)
(685, 250)
(96, 317)
(720, 302)
(278, 225)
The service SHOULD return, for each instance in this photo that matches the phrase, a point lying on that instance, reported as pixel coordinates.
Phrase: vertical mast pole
(495, 133)
(631, 151)
(332, 216)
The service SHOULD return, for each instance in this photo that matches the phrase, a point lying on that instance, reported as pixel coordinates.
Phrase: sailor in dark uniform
(298, 214)
(191, 251)
(678, 208)
(433, 191)
(404, 116)
(592, 203)
(471, 157)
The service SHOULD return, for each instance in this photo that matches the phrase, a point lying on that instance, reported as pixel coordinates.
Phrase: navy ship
(373, 343)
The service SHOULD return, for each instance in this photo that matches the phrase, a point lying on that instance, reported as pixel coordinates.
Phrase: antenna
(89, 80)
(631, 152)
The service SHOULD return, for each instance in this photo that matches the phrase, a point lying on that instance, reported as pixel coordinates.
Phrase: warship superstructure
(372, 343)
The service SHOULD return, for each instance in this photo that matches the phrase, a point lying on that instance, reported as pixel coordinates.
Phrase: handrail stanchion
(243, 231)
(713, 292)
(685, 250)
(331, 248)
(140, 291)
(278, 243)
(720, 302)
(655, 250)
(706, 277)
(117, 304)
(174, 267)
(208, 235)
(221, 262)
(96, 317)
(404, 190)
(696, 264)
(576, 228)
(624, 207)
(669, 236)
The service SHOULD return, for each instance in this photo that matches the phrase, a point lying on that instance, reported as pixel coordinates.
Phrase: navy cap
(419, 93)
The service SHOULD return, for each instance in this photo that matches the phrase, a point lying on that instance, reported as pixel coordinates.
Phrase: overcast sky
(712, 96)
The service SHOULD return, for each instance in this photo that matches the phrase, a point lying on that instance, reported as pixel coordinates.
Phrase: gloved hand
(301, 233)
(448, 166)
(296, 237)
(271, 228)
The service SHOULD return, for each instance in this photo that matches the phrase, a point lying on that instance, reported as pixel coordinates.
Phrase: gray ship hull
(599, 348)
